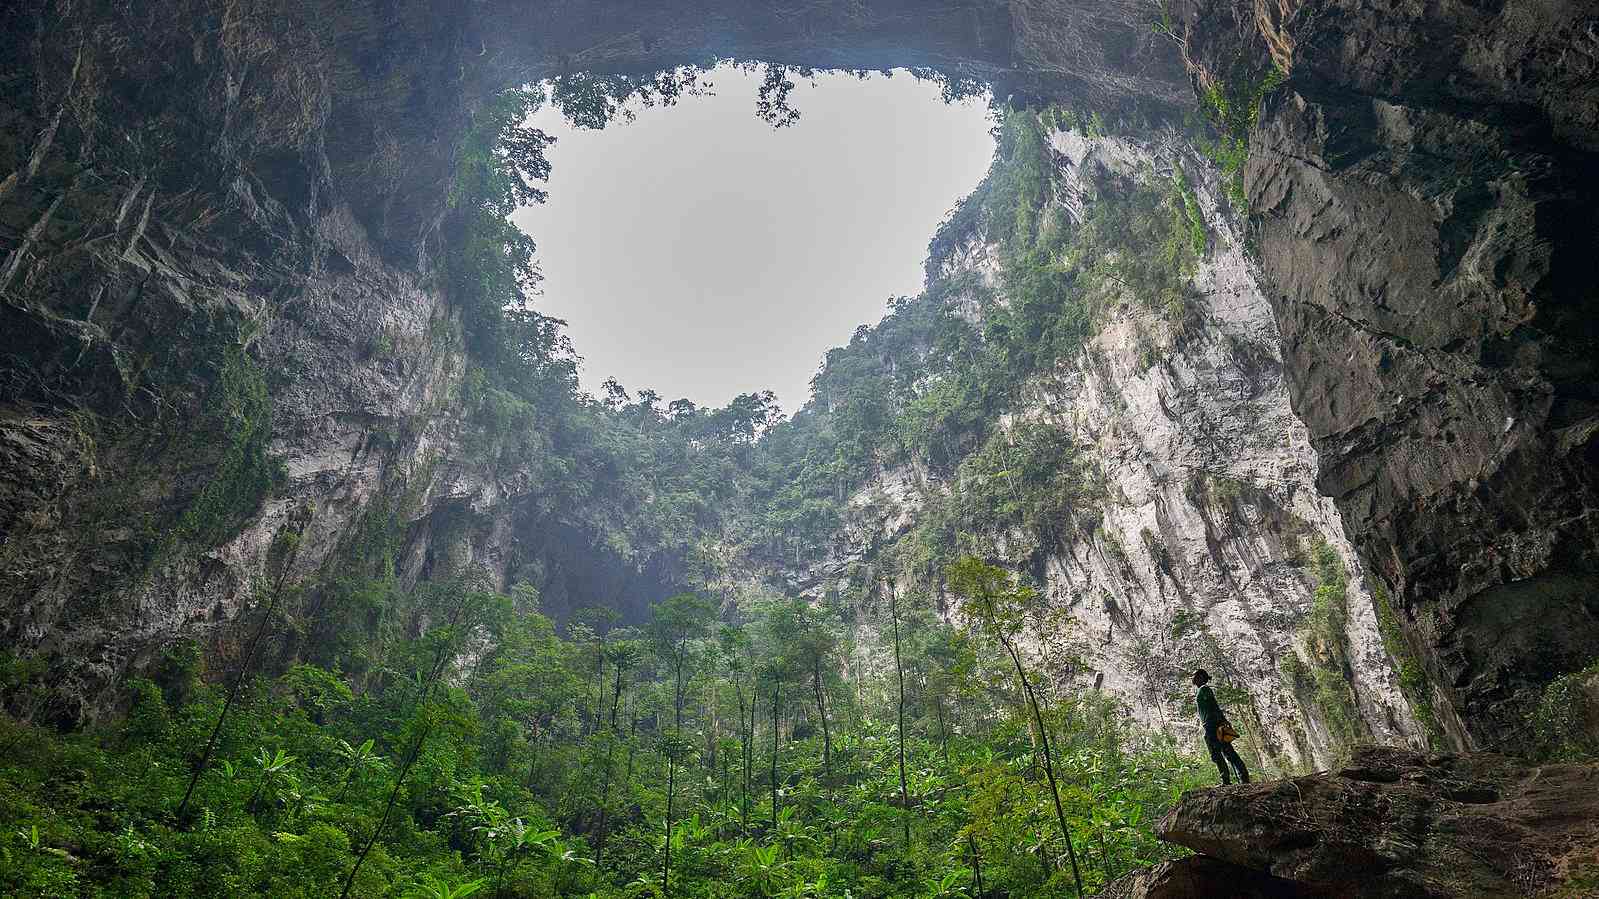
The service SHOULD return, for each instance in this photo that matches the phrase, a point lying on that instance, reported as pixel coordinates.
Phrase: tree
(899, 674)
(678, 620)
(735, 644)
(993, 600)
(598, 620)
(625, 653)
(285, 548)
(468, 604)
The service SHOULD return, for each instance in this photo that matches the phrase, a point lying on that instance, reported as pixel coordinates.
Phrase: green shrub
(238, 417)
(1564, 725)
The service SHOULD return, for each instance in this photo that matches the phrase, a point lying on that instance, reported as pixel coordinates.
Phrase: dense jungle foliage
(356, 736)
(730, 753)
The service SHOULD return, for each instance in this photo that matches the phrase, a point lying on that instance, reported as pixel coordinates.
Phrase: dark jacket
(1209, 710)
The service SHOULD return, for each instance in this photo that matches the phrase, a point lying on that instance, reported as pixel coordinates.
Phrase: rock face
(1206, 543)
(1400, 824)
(1204, 556)
(1426, 185)
(255, 201)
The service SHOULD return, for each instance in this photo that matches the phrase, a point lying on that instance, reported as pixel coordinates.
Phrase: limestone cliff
(223, 321)
(1425, 184)
(1204, 551)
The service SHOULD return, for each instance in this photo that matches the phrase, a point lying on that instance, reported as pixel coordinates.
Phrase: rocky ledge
(1391, 823)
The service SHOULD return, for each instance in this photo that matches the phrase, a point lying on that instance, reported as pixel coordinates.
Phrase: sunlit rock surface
(1203, 555)
(1425, 186)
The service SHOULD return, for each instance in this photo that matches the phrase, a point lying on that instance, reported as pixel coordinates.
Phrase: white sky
(702, 253)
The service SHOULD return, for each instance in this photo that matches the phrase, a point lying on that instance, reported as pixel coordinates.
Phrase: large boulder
(1398, 824)
(1202, 877)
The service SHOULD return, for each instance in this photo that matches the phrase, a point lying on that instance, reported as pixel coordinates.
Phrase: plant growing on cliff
(1412, 679)
(999, 606)
(499, 164)
(1564, 725)
(1232, 103)
(238, 417)
(1325, 679)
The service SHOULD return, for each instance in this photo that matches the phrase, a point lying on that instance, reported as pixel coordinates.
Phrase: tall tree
(285, 548)
(899, 673)
(998, 603)
(678, 621)
(735, 651)
(447, 639)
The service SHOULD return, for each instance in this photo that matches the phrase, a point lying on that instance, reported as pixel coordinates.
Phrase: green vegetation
(354, 736)
(1412, 680)
(237, 417)
(1232, 103)
(607, 762)
(1564, 725)
(929, 383)
(1326, 678)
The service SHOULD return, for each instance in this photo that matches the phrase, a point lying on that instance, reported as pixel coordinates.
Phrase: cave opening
(706, 249)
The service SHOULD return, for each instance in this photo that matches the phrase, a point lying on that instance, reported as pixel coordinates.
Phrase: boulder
(1202, 877)
(1397, 824)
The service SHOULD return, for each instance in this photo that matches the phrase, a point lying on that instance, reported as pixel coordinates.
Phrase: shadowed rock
(1395, 823)
(1202, 877)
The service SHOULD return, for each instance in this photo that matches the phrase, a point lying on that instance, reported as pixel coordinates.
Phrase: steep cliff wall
(1425, 190)
(1209, 539)
(222, 316)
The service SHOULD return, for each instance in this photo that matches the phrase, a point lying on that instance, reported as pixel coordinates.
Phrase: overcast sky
(699, 252)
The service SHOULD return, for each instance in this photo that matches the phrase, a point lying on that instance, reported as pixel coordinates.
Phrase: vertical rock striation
(1425, 191)
(1205, 550)
(222, 319)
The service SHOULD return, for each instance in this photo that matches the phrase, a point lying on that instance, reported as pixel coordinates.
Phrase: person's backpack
(1225, 732)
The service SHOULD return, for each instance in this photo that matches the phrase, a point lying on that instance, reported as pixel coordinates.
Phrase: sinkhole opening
(697, 252)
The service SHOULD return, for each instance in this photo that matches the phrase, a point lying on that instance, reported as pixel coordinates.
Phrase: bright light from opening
(701, 253)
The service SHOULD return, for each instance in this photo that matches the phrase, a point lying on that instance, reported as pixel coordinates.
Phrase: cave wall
(1203, 549)
(201, 192)
(1425, 188)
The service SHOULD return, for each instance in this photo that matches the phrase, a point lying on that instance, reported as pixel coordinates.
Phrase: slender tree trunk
(595, 700)
(600, 833)
(671, 765)
(744, 756)
(776, 697)
(943, 734)
(616, 695)
(388, 809)
(977, 865)
(899, 670)
(445, 652)
(671, 784)
(632, 734)
(238, 680)
(821, 710)
(1049, 766)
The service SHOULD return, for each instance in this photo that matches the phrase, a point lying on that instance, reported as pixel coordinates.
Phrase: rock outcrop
(1205, 546)
(1202, 877)
(254, 199)
(1426, 186)
(1395, 824)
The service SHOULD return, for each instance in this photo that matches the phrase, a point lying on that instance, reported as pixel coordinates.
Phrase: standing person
(1210, 713)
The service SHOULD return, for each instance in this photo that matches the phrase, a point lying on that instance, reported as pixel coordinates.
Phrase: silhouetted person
(1221, 751)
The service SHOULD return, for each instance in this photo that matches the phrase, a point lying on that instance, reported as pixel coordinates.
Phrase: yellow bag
(1225, 732)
